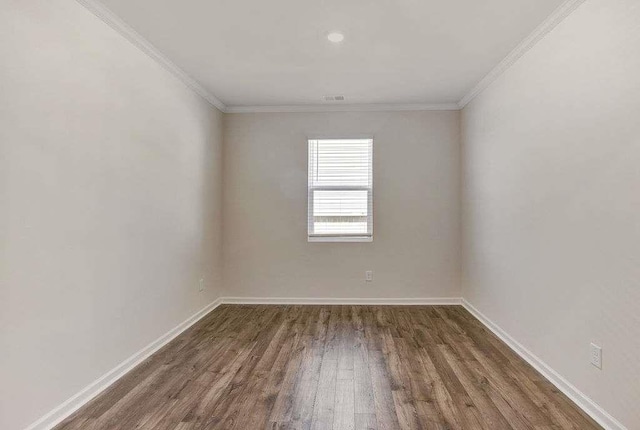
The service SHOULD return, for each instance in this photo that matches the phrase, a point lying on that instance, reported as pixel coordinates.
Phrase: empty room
(320, 215)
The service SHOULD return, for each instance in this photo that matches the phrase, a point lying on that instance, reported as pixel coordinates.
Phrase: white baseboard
(85, 395)
(338, 301)
(579, 398)
(74, 403)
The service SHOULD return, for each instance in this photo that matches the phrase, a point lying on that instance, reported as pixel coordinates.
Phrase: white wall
(415, 252)
(110, 203)
(552, 201)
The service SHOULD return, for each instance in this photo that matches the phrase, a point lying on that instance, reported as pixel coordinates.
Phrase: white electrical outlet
(201, 284)
(596, 356)
(368, 276)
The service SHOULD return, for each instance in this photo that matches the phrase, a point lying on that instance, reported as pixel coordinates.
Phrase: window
(340, 190)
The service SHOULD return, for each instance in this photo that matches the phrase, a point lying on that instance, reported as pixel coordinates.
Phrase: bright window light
(340, 190)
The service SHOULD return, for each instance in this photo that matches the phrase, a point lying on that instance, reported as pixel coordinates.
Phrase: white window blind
(340, 190)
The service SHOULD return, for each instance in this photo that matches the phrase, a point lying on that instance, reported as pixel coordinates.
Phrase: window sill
(339, 239)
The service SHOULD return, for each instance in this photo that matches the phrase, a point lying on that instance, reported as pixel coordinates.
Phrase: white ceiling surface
(275, 52)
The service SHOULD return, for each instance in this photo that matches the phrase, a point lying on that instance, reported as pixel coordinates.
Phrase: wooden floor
(333, 367)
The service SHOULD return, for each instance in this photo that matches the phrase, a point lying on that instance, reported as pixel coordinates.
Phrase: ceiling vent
(333, 98)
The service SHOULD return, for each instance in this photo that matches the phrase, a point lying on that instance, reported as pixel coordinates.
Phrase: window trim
(310, 190)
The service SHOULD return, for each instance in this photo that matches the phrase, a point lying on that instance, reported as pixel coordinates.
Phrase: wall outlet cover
(596, 356)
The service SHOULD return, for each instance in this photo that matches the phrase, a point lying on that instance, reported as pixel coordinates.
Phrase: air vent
(333, 98)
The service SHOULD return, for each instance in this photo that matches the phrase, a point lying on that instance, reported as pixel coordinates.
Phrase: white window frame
(311, 236)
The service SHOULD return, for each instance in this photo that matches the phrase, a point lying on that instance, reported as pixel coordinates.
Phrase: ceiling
(276, 52)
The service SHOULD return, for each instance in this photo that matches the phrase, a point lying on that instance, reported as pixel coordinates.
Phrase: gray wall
(415, 252)
(110, 187)
(552, 202)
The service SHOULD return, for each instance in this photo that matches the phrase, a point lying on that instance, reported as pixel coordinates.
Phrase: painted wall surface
(551, 206)
(110, 188)
(415, 251)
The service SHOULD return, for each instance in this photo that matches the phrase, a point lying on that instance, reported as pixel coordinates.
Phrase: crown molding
(562, 12)
(113, 21)
(381, 107)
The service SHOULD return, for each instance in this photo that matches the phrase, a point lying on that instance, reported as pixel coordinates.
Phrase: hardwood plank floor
(333, 367)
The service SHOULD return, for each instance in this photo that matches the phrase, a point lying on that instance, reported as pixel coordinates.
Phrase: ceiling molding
(563, 11)
(113, 21)
(343, 108)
